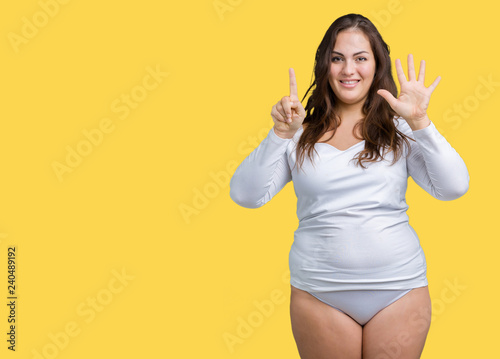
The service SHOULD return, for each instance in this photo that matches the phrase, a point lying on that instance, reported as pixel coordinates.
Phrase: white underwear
(360, 305)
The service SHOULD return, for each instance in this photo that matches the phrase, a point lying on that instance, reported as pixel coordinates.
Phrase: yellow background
(191, 279)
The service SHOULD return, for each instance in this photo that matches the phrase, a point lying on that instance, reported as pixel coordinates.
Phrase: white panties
(360, 305)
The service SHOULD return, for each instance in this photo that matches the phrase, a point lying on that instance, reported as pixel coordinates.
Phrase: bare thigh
(322, 332)
(400, 329)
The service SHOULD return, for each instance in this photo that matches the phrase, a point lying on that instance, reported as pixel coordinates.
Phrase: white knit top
(353, 230)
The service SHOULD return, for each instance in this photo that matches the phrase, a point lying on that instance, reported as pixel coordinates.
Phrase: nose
(348, 68)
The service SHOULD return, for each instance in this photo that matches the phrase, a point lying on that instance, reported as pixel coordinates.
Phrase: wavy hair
(377, 126)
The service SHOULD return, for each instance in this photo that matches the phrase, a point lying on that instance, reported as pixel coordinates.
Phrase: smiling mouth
(349, 82)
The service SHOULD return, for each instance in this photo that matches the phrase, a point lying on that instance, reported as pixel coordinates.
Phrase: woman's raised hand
(413, 100)
(288, 114)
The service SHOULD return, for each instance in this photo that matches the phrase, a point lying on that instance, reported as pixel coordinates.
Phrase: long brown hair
(378, 128)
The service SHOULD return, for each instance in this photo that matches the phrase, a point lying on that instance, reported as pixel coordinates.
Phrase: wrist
(419, 124)
(281, 134)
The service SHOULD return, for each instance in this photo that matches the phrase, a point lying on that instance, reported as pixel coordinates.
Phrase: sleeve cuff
(427, 132)
(430, 137)
(277, 139)
(430, 128)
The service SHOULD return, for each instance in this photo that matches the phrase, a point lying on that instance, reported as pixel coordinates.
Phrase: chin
(350, 101)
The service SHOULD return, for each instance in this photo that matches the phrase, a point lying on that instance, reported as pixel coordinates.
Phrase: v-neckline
(347, 149)
(332, 146)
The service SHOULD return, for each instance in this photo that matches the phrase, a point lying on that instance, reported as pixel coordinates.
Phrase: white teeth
(349, 82)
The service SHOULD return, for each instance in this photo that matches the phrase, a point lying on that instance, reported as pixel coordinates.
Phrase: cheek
(331, 75)
(332, 78)
(367, 72)
(334, 71)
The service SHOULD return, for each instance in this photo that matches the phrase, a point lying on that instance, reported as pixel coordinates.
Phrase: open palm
(413, 100)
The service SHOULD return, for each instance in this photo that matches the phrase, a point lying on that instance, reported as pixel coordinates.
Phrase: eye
(336, 59)
(362, 59)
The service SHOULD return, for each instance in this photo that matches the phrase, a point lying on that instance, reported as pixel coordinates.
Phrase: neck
(350, 114)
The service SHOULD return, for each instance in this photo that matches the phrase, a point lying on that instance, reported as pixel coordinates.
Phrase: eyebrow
(357, 53)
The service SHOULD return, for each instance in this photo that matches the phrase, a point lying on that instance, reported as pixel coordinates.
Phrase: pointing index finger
(293, 86)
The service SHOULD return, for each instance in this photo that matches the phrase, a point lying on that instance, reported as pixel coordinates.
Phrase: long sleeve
(435, 165)
(262, 174)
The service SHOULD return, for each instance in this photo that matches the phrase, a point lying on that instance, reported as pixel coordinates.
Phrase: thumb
(388, 97)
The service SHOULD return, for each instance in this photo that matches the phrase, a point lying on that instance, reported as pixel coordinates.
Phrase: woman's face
(352, 67)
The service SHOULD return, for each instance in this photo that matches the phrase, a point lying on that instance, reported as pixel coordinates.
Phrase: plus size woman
(358, 274)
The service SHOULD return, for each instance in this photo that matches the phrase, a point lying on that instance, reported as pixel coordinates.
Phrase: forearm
(262, 174)
(436, 166)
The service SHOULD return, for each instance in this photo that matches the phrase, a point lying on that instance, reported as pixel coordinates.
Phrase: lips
(349, 83)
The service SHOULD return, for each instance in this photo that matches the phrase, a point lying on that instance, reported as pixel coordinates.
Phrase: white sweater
(353, 230)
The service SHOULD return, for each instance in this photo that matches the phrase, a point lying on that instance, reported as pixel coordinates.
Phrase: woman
(358, 274)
